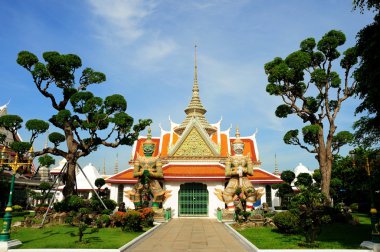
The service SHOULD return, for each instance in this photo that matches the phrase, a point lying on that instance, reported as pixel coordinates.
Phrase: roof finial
(104, 166)
(276, 171)
(195, 66)
(117, 164)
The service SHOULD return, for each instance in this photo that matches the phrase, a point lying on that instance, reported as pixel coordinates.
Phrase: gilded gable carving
(193, 145)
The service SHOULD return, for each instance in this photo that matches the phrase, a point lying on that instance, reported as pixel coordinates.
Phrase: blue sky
(146, 49)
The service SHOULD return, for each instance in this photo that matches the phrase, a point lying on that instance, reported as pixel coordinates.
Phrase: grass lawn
(59, 237)
(335, 236)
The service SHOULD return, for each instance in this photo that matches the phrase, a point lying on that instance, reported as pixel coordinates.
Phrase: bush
(132, 221)
(110, 204)
(97, 206)
(128, 221)
(61, 206)
(20, 214)
(147, 215)
(354, 207)
(286, 222)
(75, 202)
(117, 219)
(16, 208)
(105, 219)
(107, 211)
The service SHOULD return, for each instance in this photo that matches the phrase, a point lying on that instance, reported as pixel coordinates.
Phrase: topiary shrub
(17, 208)
(74, 202)
(110, 204)
(61, 206)
(105, 219)
(286, 222)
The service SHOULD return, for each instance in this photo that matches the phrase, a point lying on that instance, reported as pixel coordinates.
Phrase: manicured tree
(285, 190)
(308, 206)
(99, 182)
(368, 77)
(311, 90)
(85, 121)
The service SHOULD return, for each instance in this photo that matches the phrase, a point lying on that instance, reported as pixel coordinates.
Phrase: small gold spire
(276, 171)
(237, 134)
(195, 67)
(149, 137)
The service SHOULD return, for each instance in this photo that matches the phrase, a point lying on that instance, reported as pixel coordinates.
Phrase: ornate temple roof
(195, 107)
(196, 150)
(197, 172)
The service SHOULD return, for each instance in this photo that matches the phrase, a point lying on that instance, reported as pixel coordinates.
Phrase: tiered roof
(195, 150)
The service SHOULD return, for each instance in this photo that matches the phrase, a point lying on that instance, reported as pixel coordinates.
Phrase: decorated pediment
(194, 142)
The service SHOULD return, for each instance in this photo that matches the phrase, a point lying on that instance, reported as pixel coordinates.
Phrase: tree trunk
(70, 182)
(325, 163)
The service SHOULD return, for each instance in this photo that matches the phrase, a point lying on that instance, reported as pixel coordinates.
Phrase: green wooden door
(193, 200)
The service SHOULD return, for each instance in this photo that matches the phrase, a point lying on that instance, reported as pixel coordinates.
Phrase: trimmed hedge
(287, 222)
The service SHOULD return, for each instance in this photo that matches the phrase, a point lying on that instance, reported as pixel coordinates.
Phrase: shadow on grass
(50, 234)
(347, 235)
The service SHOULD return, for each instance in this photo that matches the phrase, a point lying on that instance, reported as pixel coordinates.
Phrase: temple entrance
(193, 200)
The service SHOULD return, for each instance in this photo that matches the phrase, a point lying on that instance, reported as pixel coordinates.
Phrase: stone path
(190, 235)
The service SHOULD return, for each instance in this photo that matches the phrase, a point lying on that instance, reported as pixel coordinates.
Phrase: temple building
(190, 163)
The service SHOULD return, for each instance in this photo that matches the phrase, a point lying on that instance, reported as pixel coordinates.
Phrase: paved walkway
(190, 235)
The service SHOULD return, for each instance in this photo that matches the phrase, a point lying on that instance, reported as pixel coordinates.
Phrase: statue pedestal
(5, 245)
(159, 215)
(227, 215)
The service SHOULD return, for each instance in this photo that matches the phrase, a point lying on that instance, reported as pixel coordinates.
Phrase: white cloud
(155, 51)
(120, 19)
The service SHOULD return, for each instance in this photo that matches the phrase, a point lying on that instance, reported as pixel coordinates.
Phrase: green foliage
(20, 147)
(17, 208)
(44, 186)
(283, 111)
(12, 123)
(342, 138)
(147, 215)
(286, 222)
(308, 206)
(310, 134)
(46, 160)
(285, 190)
(291, 137)
(303, 179)
(36, 127)
(82, 117)
(288, 176)
(128, 221)
(99, 182)
(2, 138)
(352, 181)
(56, 138)
(110, 204)
(74, 202)
(367, 77)
(311, 89)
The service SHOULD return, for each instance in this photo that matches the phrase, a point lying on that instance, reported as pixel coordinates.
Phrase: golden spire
(117, 164)
(276, 171)
(104, 166)
(237, 134)
(195, 107)
(149, 137)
